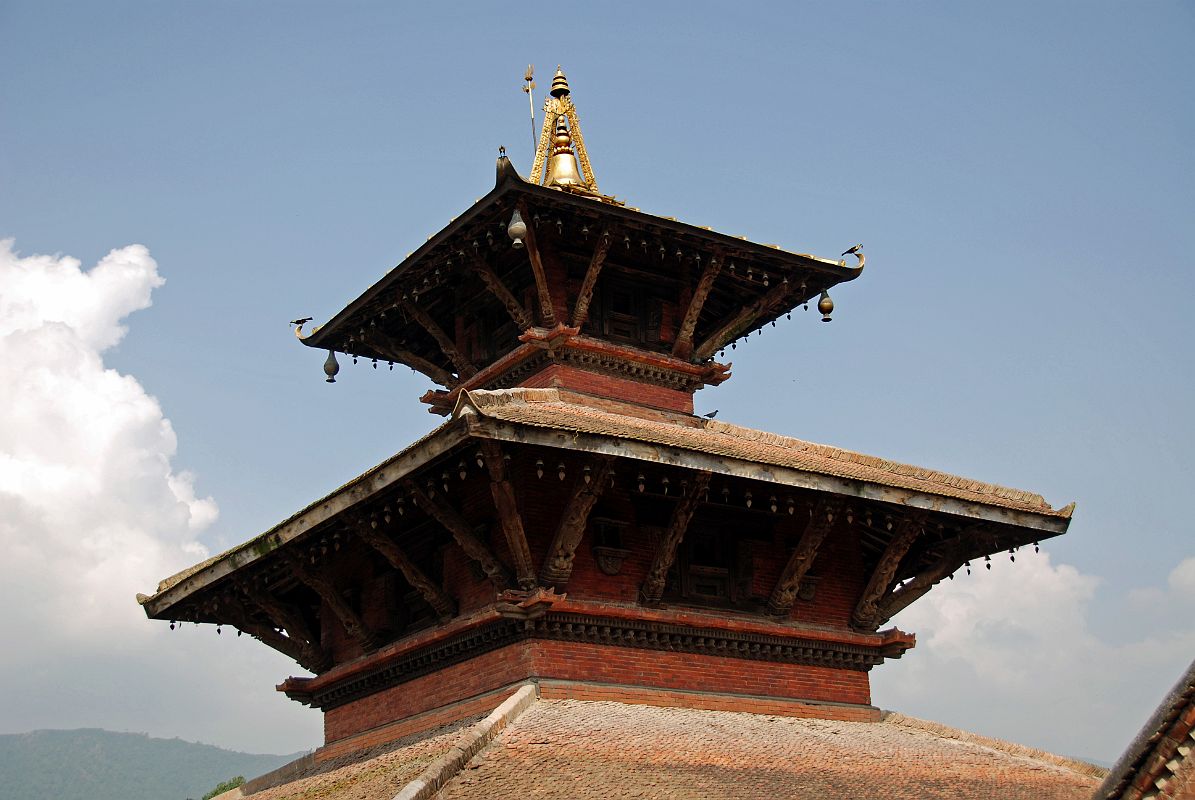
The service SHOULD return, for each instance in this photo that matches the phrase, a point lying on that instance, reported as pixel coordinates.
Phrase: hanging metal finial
(529, 87)
(331, 367)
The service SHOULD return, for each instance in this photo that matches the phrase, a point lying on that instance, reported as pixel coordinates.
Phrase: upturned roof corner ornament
(561, 133)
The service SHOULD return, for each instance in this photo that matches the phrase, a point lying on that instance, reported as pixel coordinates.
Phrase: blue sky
(1020, 173)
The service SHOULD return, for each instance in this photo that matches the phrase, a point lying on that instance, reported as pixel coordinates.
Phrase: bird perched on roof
(711, 415)
(303, 321)
(852, 251)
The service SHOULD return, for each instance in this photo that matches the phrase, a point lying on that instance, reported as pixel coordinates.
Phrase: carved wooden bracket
(734, 326)
(464, 366)
(310, 657)
(558, 564)
(508, 513)
(784, 595)
(952, 555)
(462, 532)
(866, 615)
(499, 290)
(349, 619)
(581, 309)
(547, 313)
(682, 513)
(684, 339)
(427, 588)
(393, 351)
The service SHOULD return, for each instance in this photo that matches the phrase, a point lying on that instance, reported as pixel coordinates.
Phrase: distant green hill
(93, 764)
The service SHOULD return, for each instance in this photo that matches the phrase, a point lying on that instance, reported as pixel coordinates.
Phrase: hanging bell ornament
(826, 306)
(516, 230)
(331, 367)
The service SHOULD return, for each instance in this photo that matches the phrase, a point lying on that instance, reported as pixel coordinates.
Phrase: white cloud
(1000, 650)
(1182, 578)
(92, 511)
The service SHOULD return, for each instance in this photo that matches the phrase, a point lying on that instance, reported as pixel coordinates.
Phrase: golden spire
(561, 133)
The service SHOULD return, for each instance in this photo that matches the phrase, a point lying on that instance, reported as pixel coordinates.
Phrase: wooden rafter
(508, 513)
(349, 619)
(440, 602)
(735, 325)
(290, 619)
(393, 351)
(558, 564)
(547, 313)
(498, 289)
(462, 533)
(464, 366)
(684, 338)
(682, 513)
(784, 594)
(581, 309)
(866, 615)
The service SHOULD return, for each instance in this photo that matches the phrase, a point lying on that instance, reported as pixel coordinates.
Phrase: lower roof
(596, 749)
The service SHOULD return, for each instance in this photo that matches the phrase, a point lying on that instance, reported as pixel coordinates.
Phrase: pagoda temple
(572, 525)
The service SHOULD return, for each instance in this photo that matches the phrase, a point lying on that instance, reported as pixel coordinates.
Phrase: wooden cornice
(581, 309)
(735, 325)
(684, 338)
(498, 289)
(784, 594)
(866, 615)
(349, 619)
(547, 313)
(507, 508)
(558, 564)
(393, 351)
(682, 513)
(462, 533)
(440, 602)
(464, 366)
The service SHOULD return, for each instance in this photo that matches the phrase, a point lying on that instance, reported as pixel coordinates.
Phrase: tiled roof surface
(546, 408)
(582, 749)
(377, 774)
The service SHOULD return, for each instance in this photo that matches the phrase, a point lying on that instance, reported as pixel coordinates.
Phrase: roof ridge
(1012, 748)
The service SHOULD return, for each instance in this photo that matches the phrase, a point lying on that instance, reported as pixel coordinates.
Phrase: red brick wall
(560, 375)
(571, 661)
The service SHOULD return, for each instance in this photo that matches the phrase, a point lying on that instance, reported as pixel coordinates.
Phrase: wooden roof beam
(464, 366)
(349, 619)
(463, 533)
(866, 615)
(547, 313)
(498, 289)
(657, 575)
(291, 648)
(784, 594)
(509, 518)
(684, 338)
(440, 602)
(581, 309)
(558, 564)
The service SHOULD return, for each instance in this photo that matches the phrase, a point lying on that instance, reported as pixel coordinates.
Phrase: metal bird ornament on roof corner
(852, 251)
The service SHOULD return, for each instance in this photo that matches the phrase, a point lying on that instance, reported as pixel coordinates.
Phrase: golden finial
(559, 138)
(562, 167)
(559, 83)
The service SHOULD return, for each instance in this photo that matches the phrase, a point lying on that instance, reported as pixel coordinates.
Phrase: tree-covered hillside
(93, 764)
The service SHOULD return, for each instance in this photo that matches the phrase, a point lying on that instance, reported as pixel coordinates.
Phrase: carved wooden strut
(497, 288)
(784, 595)
(558, 564)
(581, 309)
(508, 513)
(866, 615)
(684, 339)
(463, 533)
(547, 313)
(464, 366)
(657, 574)
(349, 619)
(440, 602)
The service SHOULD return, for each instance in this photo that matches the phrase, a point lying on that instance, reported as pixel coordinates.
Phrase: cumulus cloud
(1000, 648)
(91, 511)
